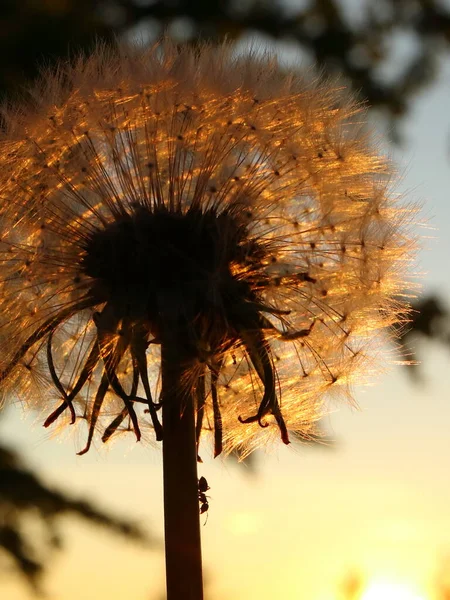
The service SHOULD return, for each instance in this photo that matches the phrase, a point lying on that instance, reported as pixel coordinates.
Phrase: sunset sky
(376, 503)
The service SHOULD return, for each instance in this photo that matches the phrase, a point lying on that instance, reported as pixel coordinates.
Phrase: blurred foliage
(29, 516)
(359, 40)
(361, 43)
(429, 320)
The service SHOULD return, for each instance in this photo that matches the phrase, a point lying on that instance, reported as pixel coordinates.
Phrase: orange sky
(379, 502)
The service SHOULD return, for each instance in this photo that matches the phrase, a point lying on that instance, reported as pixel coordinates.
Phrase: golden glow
(244, 523)
(321, 244)
(390, 591)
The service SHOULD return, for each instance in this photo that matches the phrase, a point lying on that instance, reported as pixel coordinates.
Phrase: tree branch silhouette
(357, 48)
(24, 497)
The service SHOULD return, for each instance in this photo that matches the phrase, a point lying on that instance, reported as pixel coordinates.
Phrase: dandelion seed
(217, 201)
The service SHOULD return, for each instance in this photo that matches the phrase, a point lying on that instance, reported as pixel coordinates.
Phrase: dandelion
(196, 234)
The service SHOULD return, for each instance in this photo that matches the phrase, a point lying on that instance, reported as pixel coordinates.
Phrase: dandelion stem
(181, 508)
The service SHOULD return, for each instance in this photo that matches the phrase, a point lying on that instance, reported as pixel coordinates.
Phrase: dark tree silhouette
(429, 319)
(23, 496)
(35, 32)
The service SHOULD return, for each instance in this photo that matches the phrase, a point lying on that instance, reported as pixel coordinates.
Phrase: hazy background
(372, 507)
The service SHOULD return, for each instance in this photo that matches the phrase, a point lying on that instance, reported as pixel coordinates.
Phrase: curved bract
(238, 209)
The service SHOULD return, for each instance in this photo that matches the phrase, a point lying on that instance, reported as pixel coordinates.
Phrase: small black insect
(203, 487)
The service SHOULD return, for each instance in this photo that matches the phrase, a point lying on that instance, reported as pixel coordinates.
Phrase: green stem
(181, 507)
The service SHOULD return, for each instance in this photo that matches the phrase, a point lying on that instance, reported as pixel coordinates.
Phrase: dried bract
(217, 200)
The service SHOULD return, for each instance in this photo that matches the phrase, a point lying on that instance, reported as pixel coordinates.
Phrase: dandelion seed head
(240, 209)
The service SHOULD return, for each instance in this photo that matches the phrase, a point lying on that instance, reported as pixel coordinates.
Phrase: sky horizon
(375, 503)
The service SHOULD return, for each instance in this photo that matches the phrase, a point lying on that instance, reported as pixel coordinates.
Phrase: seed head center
(152, 262)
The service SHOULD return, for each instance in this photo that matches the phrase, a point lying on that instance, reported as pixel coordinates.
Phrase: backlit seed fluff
(188, 194)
